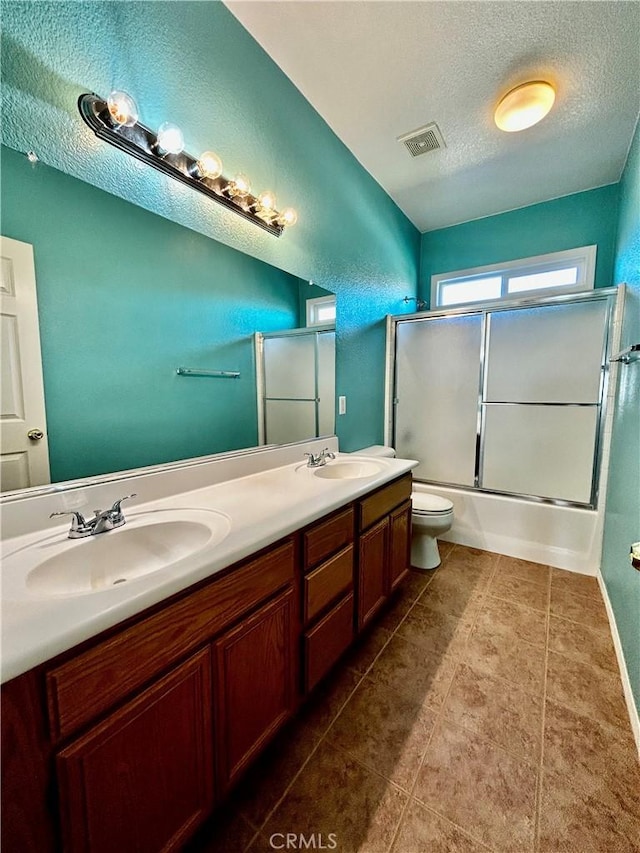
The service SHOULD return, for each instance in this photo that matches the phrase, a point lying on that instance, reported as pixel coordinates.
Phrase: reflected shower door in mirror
(125, 298)
(296, 384)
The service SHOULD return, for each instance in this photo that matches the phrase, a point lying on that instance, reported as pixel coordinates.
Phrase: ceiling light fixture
(524, 106)
(116, 121)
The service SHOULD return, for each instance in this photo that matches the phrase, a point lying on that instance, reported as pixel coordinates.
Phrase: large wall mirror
(125, 299)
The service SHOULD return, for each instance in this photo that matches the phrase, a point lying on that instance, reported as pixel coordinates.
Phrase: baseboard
(634, 717)
(536, 552)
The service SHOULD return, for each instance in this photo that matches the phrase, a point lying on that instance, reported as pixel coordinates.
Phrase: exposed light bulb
(122, 109)
(288, 217)
(240, 185)
(524, 106)
(209, 165)
(267, 201)
(170, 139)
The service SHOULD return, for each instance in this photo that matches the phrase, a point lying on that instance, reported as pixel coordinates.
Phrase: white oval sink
(348, 470)
(148, 542)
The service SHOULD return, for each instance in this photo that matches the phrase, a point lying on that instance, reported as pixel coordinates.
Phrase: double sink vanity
(146, 667)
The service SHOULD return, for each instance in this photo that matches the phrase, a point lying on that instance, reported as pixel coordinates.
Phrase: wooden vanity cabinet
(328, 562)
(254, 684)
(399, 545)
(128, 742)
(384, 542)
(373, 587)
(141, 779)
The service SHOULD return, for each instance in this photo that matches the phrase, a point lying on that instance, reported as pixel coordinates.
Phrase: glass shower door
(437, 391)
(298, 392)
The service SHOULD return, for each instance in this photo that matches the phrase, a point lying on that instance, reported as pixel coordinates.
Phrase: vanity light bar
(139, 141)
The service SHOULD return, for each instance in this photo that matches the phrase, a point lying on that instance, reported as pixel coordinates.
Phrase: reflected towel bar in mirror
(217, 374)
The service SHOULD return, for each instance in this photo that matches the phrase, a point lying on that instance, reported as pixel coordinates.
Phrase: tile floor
(483, 712)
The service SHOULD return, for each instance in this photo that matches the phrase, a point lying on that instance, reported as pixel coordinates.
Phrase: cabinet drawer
(89, 684)
(324, 539)
(327, 582)
(325, 642)
(381, 503)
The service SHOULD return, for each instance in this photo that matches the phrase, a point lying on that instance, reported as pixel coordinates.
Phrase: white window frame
(312, 310)
(583, 257)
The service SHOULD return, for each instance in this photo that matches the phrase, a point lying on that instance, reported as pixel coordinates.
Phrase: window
(321, 311)
(559, 272)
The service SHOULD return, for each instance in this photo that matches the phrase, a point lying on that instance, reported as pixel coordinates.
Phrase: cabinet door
(399, 545)
(254, 684)
(142, 780)
(372, 571)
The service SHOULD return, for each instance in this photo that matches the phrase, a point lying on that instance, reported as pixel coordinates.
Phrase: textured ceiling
(376, 70)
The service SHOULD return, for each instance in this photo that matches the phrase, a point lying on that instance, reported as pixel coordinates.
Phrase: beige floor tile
(575, 583)
(599, 759)
(387, 731)
(574, 822)
(336, 794)
(327, 700)
(588, 690)
(226, 831)
(524, 569)
(434, 631)
(481, 788)
(470, 578)
(506, 657)
(520, 591)
(402, 662)
(449, 595)
(501, 712)
(366, 648)
(514, 620)
(396, 609)
(423, 830)
(578, 608)
(592, 646)
(485, 560)
(268, 779)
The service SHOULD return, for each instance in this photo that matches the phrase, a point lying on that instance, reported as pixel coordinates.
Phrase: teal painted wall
(124, 298)
(575, 220)
(194, 64)
(622, 519)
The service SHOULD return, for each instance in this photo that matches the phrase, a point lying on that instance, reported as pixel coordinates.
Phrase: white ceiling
(376, 70)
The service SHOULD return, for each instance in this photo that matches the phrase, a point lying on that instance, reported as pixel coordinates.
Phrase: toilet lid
(432, 504)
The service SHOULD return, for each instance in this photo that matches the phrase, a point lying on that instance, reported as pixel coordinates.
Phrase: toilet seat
(426, 504)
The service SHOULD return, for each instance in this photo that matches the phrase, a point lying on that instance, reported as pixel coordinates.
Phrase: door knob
(35, 434)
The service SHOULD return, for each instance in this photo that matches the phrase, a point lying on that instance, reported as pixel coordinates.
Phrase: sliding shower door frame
(607, 294)
(262, 398)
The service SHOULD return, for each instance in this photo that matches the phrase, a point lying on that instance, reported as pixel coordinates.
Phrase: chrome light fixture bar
(128, 134)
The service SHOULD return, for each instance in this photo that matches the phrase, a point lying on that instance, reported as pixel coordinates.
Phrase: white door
(24, 451)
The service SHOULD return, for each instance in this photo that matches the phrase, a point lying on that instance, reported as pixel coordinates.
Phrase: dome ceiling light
(524, 106)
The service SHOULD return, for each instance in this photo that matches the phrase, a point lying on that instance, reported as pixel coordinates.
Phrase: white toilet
(431, 516)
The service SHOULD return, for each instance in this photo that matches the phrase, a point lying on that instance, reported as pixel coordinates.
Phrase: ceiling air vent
(428, 138)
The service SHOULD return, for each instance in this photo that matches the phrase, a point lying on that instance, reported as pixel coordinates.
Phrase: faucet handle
(78, 519)
(116, 506)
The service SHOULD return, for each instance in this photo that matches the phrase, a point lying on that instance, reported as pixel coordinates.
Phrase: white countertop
(262, 507)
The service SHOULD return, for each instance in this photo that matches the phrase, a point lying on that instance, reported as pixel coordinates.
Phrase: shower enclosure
(295, 384)
(507, 399)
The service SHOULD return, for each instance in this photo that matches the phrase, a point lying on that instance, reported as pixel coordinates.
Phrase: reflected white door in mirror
(24, 452)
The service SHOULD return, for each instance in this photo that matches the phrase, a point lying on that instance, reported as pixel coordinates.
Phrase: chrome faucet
(103, 520)
(320, 459)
